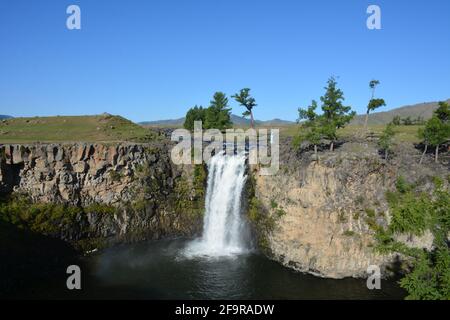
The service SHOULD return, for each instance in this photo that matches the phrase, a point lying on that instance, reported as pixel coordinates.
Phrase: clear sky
(153, 59)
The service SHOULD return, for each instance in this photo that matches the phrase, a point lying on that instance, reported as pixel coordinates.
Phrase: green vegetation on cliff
(43, 218)
(262, 220)
(413, 213)
(190, 198)
(53, 219)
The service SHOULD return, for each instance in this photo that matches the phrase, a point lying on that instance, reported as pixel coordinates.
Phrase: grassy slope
(101, 128)
(403, 133)
(424, 110)
(107, 128)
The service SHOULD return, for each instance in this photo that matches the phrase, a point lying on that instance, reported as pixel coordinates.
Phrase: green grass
(108, 128)
(99, 128)
(402, 133)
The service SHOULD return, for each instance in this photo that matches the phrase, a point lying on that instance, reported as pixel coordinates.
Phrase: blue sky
(149, 60)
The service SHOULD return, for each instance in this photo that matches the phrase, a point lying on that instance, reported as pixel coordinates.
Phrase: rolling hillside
(424, 110)
(103, 128)
(237, 120)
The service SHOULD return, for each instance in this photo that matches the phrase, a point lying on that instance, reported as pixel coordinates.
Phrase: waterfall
(225, 231)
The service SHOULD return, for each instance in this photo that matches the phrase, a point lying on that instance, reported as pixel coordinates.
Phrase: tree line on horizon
(218, 114)
(319, 127)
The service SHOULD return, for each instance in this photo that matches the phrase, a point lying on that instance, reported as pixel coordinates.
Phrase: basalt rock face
(77, 174)
(323, 213)
(128, 192)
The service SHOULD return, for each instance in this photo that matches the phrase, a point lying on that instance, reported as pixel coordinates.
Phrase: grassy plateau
(98, 128)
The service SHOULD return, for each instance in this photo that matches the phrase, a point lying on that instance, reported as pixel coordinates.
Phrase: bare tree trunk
(386, 154)
(315, 153)
(252, 125)
(332, 146)
(423, 154)
(366, 120)
(436, 157)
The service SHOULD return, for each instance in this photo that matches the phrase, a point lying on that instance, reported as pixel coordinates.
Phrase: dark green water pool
(159, 270)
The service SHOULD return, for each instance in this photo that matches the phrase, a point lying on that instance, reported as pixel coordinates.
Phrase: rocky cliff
(314, 216)
(122, 192)
(320, 216)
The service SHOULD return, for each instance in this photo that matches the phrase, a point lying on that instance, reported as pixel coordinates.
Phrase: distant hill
(104, 127)
(3, 116)
(237, 120)
(424, 110)
(164, 123)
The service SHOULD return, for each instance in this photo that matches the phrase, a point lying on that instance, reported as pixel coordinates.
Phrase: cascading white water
(225, 231)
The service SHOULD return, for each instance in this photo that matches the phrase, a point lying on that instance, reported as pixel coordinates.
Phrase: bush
(413, 213)
(349, 233)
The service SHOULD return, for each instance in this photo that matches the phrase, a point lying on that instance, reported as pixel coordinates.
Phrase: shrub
(349, 233)
(413, 213)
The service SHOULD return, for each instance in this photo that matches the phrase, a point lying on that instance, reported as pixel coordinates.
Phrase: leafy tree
(407, 121)
(434, 134)
(373, 85)
(247, 101)
(425, 136)
(194, 114)
(443, 111)
(414, 212)
(419, 120)
(437, 130)
(217, 116)
(430, 279)
(335, 114)
(308, 114)
(312, 130)
(373, 103)
(396, 120)
(385, 141)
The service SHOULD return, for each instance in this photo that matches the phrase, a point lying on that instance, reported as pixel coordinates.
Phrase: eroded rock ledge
(144, 194)
(321, 217)
(77, 174)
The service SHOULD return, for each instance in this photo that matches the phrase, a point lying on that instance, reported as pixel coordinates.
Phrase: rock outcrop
(143, 194)
(323, 213)
(78, 174)
(314, 216)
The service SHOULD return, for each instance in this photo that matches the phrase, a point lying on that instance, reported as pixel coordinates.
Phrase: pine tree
(311, 125)
(218, 114)
(435, 133)
(437, 130)
(335, 114)
(443, 111)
